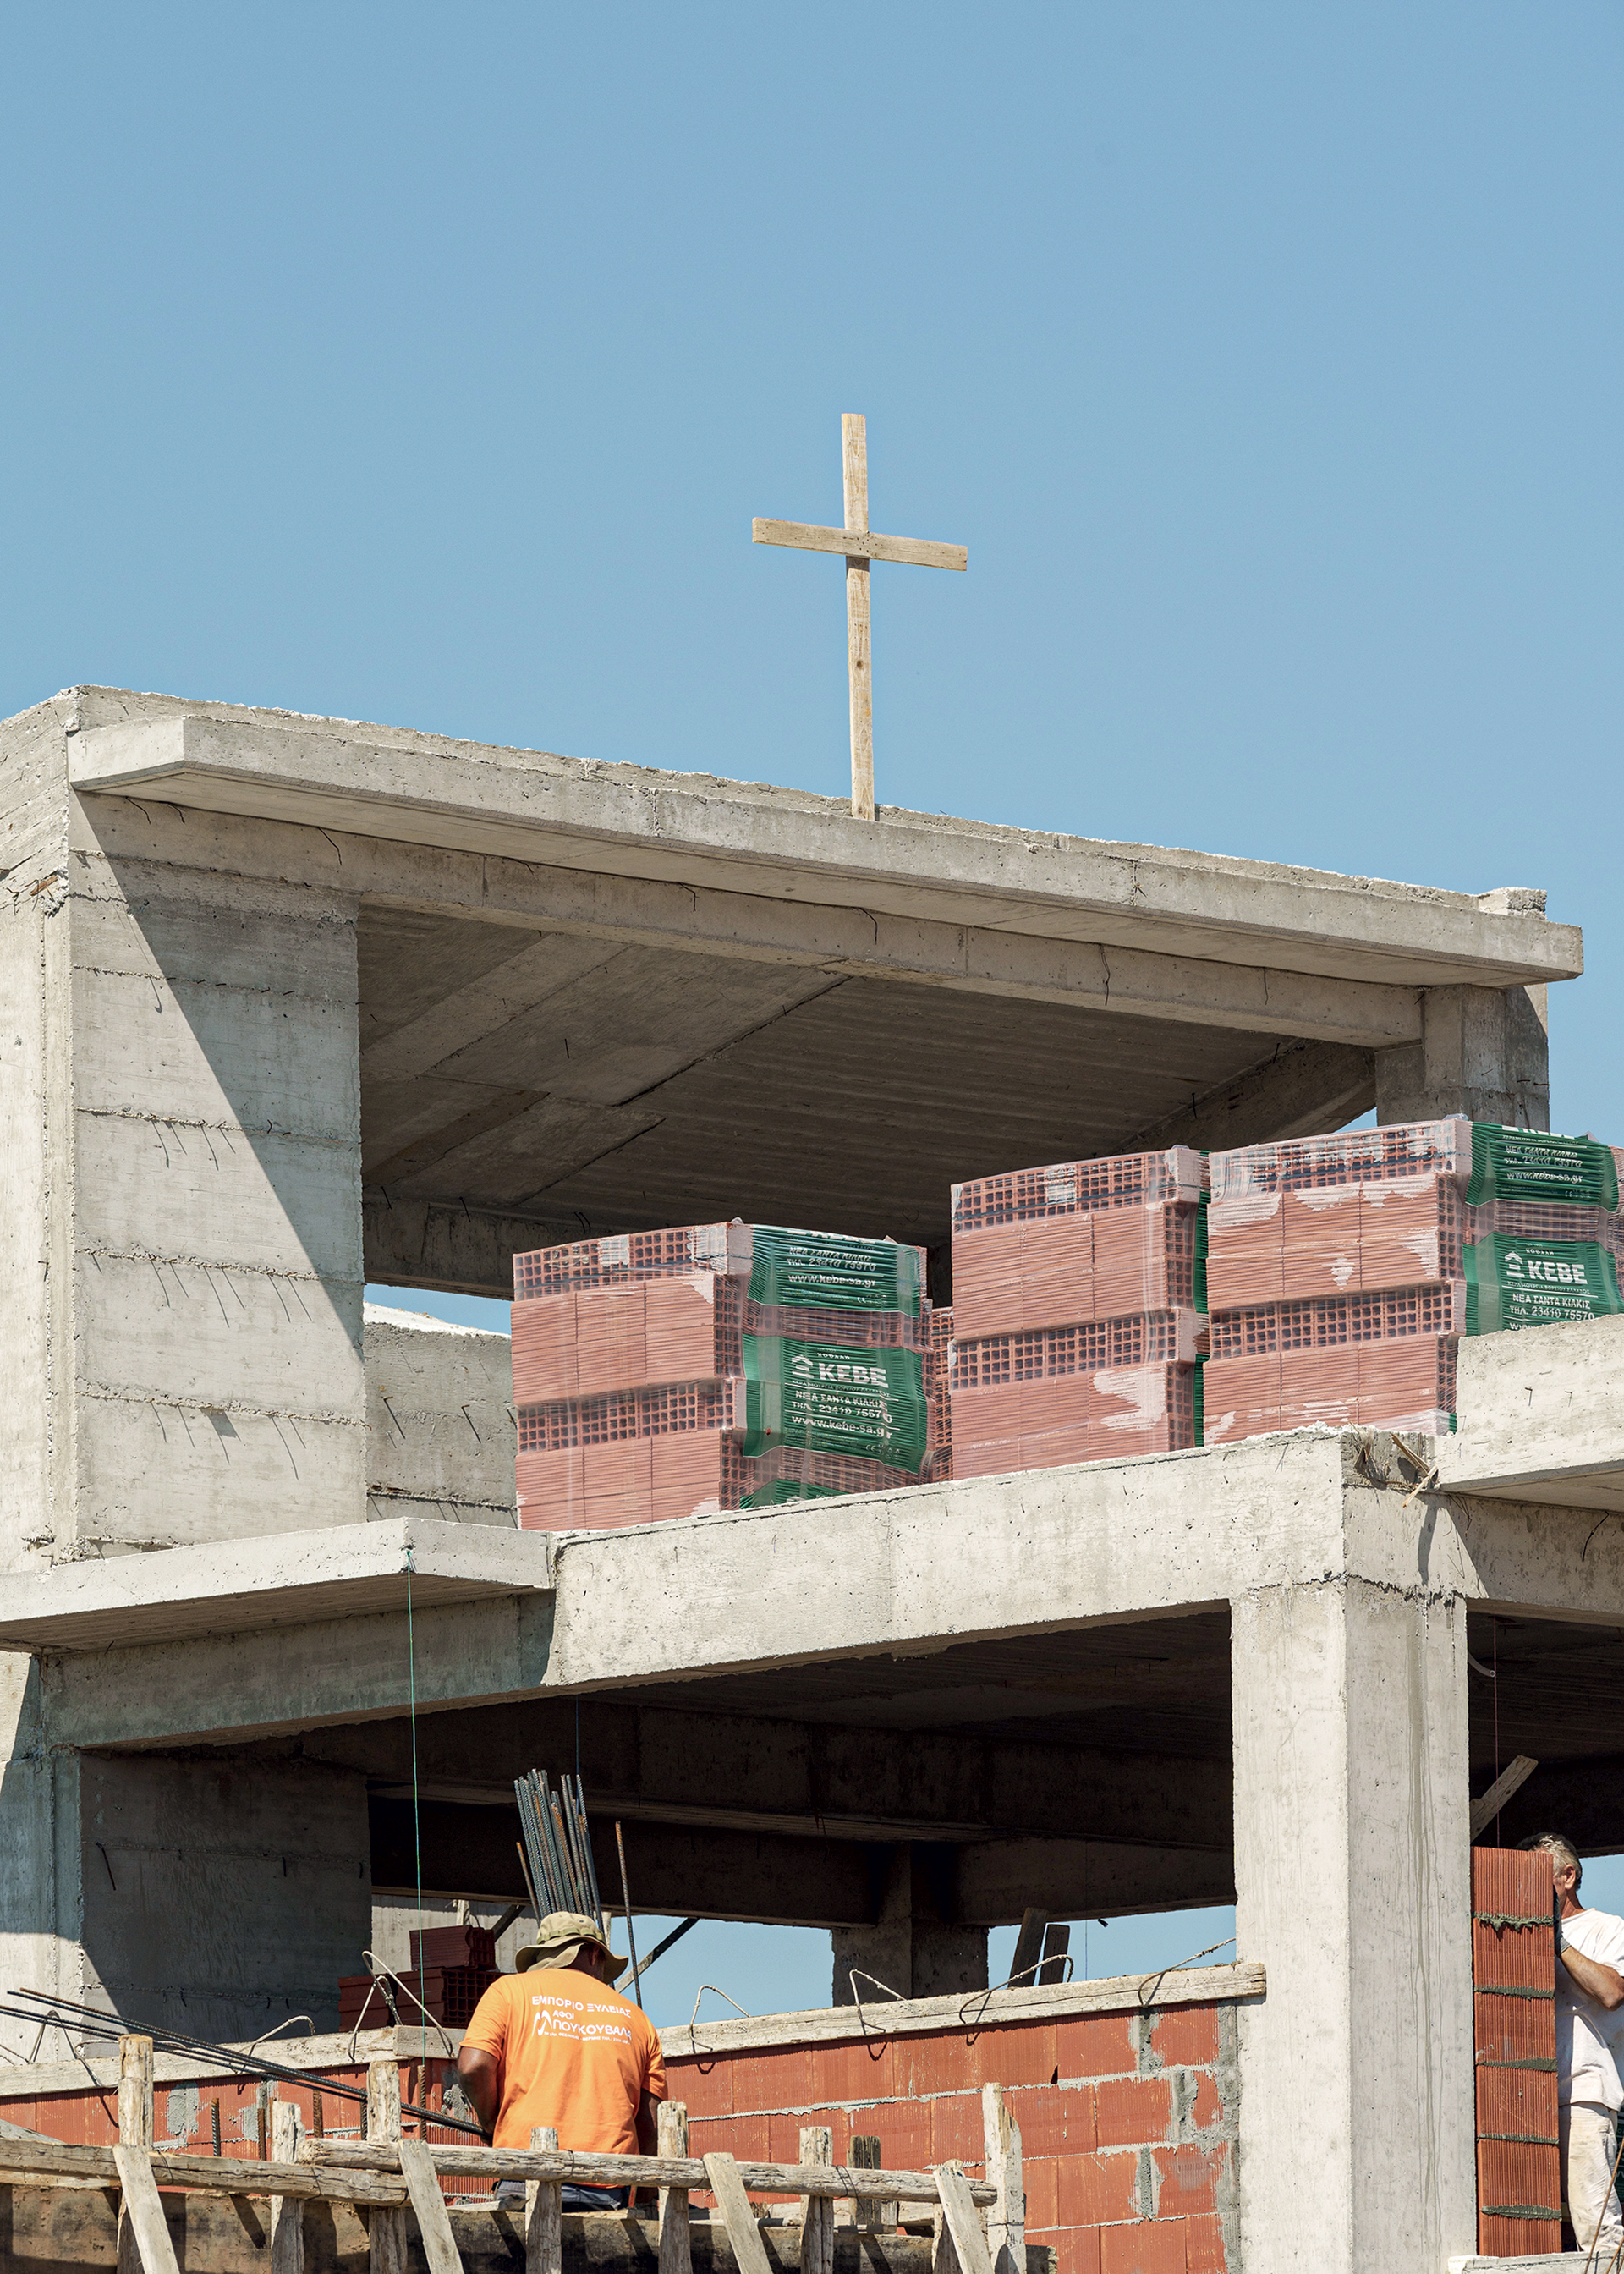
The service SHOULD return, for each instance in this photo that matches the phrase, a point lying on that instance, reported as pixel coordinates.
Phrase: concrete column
(1353, 1886)
(912, 1947)
(203, 1171)
(1484, 1052)
(38, 1859)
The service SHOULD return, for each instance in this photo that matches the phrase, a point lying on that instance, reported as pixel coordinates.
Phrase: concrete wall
(440, 1432)
(219, 1897)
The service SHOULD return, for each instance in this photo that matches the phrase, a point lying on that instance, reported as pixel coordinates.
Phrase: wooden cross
(859, 546)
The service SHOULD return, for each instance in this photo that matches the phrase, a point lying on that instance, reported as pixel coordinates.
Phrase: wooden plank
(544, 2213)
(385, 2234)
(868, 545)
(959, 2216)
(1485, 1811)
(737, 2216)
(676, 2250)
(817, 2217)
(142, 2212)
(135, 2130)
(52, 2160)
(287, 2211)
(1006, 2221)
(434, 2221)
(575, 2168)
(1028, 1948)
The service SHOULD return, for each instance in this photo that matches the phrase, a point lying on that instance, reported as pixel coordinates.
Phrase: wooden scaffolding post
(135, 2130)
(543, 2214)
(1006, 2220)
(287, 2211)
(960, 2242)
(386, 2229)
(817, 2220)
(855, 470)
(749, 2251)
(671, 2139)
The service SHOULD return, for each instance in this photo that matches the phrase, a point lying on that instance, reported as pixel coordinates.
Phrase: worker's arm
(648, 2129)
(481, 2082)
(1602, 1982)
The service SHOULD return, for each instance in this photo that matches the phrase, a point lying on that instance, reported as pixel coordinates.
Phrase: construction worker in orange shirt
(555, 2044)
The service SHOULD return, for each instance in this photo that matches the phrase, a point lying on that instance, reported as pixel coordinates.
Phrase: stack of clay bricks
(1076, 1325)
(938, 1379)
(1514, 1986)
(650, 1381)
(1343, 1270)
(452, 1968)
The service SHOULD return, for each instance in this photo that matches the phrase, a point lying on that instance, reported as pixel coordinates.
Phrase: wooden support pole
(817, 2217)
(855, 469)
(544, 2215)
(135, 2130)
(287, 2211)
(960, 2222)
(1006, 2220)
(141, 2213)
(671, 2139)
(750, 2252)
(429, 2204)
(1029, 1949)
(386, 2229)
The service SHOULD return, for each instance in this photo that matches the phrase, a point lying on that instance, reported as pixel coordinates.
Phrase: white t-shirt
(1587, 2036)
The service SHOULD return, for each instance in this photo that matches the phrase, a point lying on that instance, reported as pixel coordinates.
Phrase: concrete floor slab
(1541, 1416)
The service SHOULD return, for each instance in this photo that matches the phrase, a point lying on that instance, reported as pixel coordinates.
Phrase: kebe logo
(801, 1366)
(1546, 1269)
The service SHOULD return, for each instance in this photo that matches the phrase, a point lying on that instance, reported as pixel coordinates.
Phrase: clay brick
(1186, 2036)
(744, 2138)
(1055, 2120)
(784, 2133)
(1028, 2055)
(1204, 2251)
(1151, 2246)
(945, 2063)
(1190, 2179)
(1208, 2107)
(1042, 2214)
(1080, 2249)
(902, 2128)
(707, 2088)
(844, 2074)
(775, 2080)
(1132, 2112)
(1093, 2190)
(1096, 2045)
(956, 2129)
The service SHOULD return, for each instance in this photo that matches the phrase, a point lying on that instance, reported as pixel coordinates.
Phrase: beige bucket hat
(558, 1937)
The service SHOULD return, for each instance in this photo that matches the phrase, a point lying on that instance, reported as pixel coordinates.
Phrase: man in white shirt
(1589, 2024)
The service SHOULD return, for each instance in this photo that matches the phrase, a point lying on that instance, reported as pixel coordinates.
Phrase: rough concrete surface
(1541, 1416)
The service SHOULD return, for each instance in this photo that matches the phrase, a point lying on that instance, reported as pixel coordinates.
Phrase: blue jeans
(512, 2191)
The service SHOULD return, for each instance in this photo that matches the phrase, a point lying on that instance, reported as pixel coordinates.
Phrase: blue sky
(427, 365)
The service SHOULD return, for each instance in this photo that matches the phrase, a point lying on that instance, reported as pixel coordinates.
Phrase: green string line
(417, 1821)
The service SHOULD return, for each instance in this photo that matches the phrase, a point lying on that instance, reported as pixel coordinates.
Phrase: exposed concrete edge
(278, 1579)
(631, 820)
(1546, 2263)
(1541, 1416)
(972, 2010)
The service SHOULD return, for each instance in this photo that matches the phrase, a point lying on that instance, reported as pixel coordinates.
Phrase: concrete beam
(696, 831)
(1540, 1416)
(1304, 1089)
(441, 1432)
(461, 1250)
(812, 1583)
(785, 1777)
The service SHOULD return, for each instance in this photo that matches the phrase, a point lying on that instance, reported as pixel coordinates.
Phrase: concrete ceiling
(628, 1086)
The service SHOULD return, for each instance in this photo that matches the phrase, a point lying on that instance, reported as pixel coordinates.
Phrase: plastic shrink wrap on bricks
(1343, 1270)
(713, 1366)
(1077, 1290)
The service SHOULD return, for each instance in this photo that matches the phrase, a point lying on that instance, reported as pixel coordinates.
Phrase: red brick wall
(1127, 2122)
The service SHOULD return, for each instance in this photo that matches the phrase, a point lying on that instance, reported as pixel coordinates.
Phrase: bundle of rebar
(558, 1847)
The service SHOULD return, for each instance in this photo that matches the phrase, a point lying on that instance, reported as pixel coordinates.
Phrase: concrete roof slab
(752, 838)
(1540, 1417)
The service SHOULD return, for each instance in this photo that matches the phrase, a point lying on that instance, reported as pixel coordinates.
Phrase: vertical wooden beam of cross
(860, 547)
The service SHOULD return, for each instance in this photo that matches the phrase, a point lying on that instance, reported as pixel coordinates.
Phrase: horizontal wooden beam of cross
(860, 546)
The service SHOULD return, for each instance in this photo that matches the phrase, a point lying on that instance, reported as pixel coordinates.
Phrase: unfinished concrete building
(290, 1005)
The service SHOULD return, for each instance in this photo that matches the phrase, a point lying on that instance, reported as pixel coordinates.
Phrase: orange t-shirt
(570, 2053)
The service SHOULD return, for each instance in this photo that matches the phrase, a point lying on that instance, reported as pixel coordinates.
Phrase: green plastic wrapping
(825, 1271)
(1530, 1283)
(836, 1398)
(1529, 1165)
